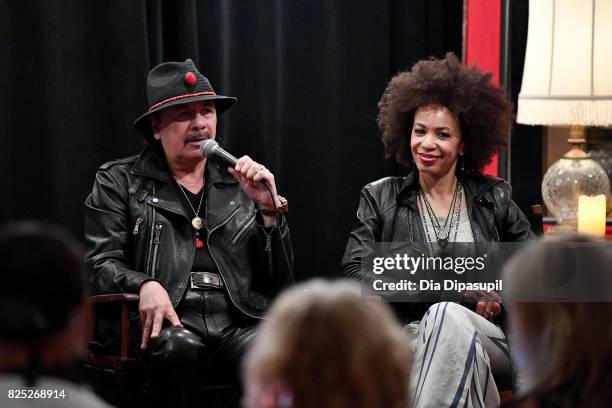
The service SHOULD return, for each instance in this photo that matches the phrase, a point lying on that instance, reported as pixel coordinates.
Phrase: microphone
(211, 150)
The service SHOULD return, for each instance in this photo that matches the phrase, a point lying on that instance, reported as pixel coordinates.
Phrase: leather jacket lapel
(221, 200)
(408, 190)
(167, 199)
(408, 210)
(150, 164)
(480, 209)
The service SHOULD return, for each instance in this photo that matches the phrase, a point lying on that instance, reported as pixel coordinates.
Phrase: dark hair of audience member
(43, 284)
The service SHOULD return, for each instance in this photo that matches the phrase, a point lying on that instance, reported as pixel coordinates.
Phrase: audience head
(561, 323)
(43, 313)
(326, 345)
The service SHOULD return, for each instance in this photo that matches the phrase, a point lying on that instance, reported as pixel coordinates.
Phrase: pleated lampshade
(567, 81)
(567, 78)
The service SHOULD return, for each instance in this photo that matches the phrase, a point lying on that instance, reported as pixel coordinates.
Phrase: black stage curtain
(308, 75)
(527, 145)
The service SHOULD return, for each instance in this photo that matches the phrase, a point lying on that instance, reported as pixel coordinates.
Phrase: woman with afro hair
(444, 121)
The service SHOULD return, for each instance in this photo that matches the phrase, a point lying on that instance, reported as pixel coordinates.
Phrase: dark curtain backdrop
(527, 147)
(308, 75)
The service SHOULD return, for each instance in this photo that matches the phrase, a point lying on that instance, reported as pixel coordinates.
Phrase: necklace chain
(443, 232)
(197, 223)
(195, 213)
(432, 214)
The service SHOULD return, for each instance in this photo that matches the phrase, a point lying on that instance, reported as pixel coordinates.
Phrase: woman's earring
(462, 162)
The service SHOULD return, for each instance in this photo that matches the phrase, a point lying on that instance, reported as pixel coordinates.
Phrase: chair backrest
(536, 219)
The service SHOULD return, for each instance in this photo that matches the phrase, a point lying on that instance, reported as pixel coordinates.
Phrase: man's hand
(252, 176)
(154, 306)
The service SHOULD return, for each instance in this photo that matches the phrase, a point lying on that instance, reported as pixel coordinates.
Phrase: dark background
(308, 75)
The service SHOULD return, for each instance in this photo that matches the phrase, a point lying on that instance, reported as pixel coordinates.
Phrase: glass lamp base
(565, 181)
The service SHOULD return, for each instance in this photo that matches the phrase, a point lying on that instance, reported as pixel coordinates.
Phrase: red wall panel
(483, 44)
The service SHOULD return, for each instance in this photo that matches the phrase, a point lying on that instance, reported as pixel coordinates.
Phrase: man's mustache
(202, 135)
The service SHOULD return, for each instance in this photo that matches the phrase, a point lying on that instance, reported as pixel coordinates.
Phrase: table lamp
(567, 81)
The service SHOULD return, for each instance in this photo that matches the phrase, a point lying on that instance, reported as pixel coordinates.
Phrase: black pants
(206, 351)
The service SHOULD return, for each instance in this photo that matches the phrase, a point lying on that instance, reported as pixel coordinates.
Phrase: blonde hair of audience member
(562, 349)
(325, 345)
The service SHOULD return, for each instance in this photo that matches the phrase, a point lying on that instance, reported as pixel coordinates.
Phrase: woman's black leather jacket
(388, 212)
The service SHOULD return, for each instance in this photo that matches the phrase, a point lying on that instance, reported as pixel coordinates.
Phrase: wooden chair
(536, 219)
(114, 370)
(115, 362)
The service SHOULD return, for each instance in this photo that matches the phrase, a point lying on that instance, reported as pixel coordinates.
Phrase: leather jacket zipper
(269, 242)
(138, 222)
(158, 229)
(268, 250)
(148, 265)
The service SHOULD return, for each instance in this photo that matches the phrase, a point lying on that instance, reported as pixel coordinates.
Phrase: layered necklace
(197, 222)
(442, 232)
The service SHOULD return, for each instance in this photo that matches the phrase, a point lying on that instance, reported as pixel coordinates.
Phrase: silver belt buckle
(205, 280)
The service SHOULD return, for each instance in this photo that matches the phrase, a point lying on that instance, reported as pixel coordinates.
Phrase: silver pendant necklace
(442, 232)
(197, 222)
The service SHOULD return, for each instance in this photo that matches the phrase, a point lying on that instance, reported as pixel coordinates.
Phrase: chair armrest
(125, 299)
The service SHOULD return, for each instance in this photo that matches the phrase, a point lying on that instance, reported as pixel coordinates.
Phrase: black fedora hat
(176, 83)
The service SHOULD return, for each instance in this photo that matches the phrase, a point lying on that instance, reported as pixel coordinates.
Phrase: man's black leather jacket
(137, 229)
(388, 212)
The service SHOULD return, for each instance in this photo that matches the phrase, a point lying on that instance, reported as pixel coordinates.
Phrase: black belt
(206, 280)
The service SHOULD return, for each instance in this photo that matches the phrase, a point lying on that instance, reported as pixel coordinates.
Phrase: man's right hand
(154, 306)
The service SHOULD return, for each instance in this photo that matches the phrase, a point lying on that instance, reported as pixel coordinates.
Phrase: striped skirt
(458, 357)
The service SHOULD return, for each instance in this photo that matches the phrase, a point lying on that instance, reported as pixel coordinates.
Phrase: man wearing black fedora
(206, 247)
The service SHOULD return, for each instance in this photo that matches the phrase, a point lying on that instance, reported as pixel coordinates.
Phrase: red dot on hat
(190, 79)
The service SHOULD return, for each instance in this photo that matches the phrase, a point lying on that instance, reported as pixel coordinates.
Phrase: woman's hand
(489, 310)
(252, 177)
(155, 306)
(488, 304)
